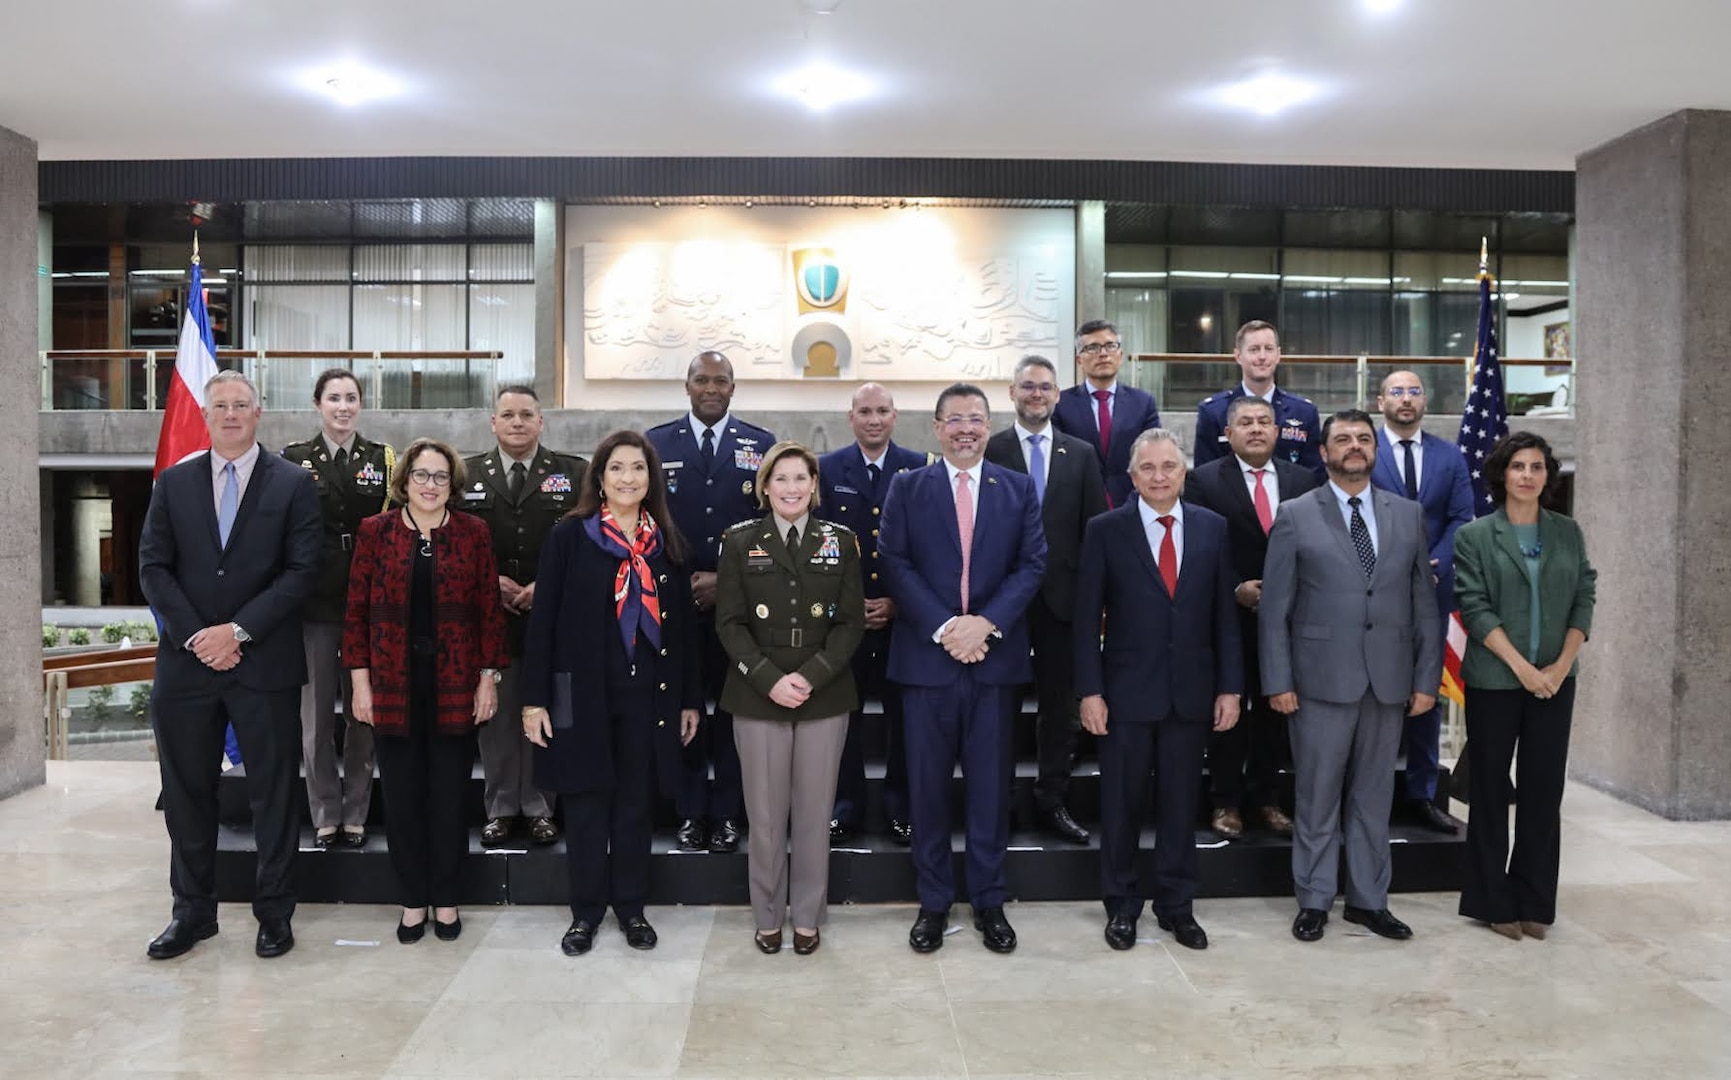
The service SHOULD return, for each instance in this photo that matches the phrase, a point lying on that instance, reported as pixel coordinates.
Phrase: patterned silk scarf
(636, 601)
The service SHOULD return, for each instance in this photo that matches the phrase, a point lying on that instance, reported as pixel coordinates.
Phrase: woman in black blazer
(610, 684)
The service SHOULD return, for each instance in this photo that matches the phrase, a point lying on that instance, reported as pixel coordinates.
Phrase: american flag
(1484, 420)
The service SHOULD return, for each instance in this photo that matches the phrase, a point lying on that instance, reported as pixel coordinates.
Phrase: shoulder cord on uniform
(390, 474)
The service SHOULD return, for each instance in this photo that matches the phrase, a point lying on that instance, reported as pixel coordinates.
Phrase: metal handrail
(255, 359)
(1363, 362)
(62, 674)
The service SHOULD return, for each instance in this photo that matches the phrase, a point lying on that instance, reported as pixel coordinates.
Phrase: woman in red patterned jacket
(425, 638)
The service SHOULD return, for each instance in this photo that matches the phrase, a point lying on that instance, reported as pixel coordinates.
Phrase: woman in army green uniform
(789, 610)
(353, 477)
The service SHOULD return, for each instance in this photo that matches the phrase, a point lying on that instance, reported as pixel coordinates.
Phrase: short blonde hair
(774, 455)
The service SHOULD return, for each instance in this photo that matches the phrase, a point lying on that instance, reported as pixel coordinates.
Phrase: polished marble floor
(1634, 982)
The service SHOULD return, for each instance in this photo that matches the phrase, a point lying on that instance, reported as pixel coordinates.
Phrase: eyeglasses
(1041, 387)
(1095, 348)
(1405, 391)
(436, 479)
(975, 420)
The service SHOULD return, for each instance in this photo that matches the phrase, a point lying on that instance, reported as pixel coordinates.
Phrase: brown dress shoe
(1534, 929)
(804, 945)
(542, 830)
(1228, 823)
(768, 941)
(1274, 819)
(495, 832)
(1510, 930)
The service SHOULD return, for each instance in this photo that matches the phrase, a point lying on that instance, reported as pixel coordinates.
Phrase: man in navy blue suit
(1100, 410)
(1257, 350)
(854, 482)
(963, 553)
(710, 458)
(1432, 472)
(1158, 572)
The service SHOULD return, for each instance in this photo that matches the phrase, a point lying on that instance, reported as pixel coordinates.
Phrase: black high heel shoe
(408, 935)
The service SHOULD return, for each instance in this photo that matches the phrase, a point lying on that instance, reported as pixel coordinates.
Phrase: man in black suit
(1067, 481)
(1246, 487)
(229, 553)
(1156, 573)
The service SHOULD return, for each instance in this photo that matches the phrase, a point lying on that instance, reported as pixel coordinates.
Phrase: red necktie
(1264, 512)
(1168, 557)
(965, 528)
(1105, 415)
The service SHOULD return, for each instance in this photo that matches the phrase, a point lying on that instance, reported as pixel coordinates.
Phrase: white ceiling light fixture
(1268, 94)
(1380, 7)
(351, 83)
(819, 7)
(821, 86)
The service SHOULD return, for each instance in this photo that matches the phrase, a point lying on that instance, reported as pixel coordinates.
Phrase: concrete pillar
(550, 302)
(1090, 262)
(1653, 341)
(21, 732)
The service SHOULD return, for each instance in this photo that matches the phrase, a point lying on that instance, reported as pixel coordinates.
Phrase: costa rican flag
(183, 429)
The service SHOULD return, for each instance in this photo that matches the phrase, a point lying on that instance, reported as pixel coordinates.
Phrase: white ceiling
(1469, 83)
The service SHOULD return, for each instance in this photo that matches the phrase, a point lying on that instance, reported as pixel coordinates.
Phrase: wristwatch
(492, 673)
(239, 634)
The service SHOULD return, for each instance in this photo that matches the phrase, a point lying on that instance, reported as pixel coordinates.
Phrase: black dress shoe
(638, 933)
(692, 836)
(274, 938)
(542, 830)
(1121, 932)
(725, 839)
(579, 939)
(1308, 926)
(495, 832)
(325, 841)
(408, 935)
(902, 832)
(996, 932)
(353, 838)
(1185, 930)
(1426, 814)
(1059, 823)
(179, 936)
(448, 931)
(838, 831)
(928, 932)
(1379, 922)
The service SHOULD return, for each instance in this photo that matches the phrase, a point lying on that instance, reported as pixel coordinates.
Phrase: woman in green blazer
(1525, 590)
(789, 610)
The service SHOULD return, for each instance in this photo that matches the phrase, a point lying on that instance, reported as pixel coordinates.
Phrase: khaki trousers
(789, 769)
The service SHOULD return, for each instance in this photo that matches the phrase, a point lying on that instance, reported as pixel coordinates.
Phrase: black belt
(797, 638)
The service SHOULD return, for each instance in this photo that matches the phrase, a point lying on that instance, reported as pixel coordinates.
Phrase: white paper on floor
(358, 944)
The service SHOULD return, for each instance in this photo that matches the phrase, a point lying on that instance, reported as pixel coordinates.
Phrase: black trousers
(1244, 761)
(425, 777)
(1054, 680)
(1521, 886)
(608, 832)
(1173, 749)
(189, 739)
(699, 795)
(871, 663)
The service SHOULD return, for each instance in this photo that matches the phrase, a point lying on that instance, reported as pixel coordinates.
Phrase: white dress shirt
(1270, 482)
(698, 427)
(1023, 436)
(1156, 532)
(1094, 402)
(973, 486)
(1399, 453)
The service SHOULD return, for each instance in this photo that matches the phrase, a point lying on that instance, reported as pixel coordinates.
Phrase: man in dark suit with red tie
(1246, 487)
(1103, 411)
(963, 554)
(1157, 572)
(229, 554)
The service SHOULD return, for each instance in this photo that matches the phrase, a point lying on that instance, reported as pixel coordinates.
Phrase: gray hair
(1155, 435)
(1034, 360)
(231, 376)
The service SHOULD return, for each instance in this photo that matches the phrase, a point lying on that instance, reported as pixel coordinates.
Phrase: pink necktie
(1264, 512)
(1105, 416)
(965, 529)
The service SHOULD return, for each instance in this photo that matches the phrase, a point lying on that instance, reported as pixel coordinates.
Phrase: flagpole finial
(195, 247)
(1484, 255)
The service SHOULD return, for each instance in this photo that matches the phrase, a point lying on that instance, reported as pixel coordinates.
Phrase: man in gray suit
(1351, 643)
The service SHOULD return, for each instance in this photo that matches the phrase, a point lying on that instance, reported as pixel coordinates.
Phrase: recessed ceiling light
(820, 86)
(351, 83)
(1268, 94)
(1380, 7)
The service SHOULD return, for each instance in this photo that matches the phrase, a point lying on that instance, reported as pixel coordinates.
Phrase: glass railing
(138, 379)
(1179, 381)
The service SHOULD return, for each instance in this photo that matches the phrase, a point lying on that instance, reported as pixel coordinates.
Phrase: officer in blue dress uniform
(853, 482)
(710, 459)
(1257, 350)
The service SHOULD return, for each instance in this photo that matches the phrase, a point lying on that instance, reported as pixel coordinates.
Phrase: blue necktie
(1037, 466)
(229, 505)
